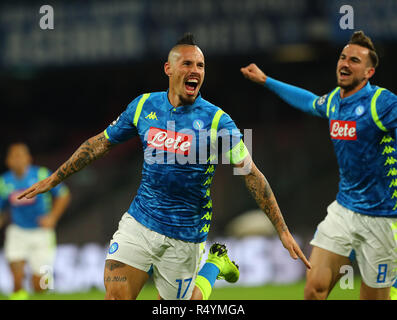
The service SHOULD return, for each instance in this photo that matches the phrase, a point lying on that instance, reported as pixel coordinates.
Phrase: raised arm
(296, 97)
(90, 150)
(261, 191)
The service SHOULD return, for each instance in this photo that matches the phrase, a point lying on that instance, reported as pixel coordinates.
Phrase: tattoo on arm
(264, 197)
(92, 149)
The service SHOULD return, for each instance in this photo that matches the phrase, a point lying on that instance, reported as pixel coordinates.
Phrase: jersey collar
(27, 170)
(358, 95)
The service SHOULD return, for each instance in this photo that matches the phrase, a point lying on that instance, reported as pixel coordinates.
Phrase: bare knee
(318, 284)
(324, 273)
(117, 289)
(316, 290)
(118, 292)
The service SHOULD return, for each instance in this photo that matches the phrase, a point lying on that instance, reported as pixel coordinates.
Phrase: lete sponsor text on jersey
(171, 141)
(343, 130)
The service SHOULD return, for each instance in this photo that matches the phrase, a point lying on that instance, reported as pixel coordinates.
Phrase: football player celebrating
(164, 230)
(362, 121)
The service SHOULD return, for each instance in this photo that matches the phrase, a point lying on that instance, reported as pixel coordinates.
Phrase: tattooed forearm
(89, 151)
(264, 197)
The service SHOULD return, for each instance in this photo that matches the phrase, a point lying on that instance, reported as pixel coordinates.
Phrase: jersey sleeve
(322, 105)
(123, 128)
(296, 97)
(230, 140)
(384, 110)
(3, 194)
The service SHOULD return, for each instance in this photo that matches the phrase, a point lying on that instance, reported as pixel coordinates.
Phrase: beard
(187, 100)
(350, 86)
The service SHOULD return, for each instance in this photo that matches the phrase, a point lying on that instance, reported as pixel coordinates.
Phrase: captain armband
(238, 153)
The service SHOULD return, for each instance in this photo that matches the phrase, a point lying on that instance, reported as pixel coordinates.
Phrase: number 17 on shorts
(183, 287)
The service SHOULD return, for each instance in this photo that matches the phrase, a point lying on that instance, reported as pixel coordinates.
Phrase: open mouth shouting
(191, 85)
(344, 73)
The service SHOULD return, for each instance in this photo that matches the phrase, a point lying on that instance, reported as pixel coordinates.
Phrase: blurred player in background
(30, 238)
(362, 121)
(164, 231)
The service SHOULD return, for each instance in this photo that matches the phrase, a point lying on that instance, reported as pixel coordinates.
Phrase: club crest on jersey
(170, 141)
(343, 130)
(359, 110)
(198, 124)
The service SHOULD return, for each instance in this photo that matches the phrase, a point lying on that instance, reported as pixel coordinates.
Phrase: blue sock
(206, 279)
(209, 271)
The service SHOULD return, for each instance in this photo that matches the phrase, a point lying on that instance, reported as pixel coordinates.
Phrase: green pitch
(266, 292)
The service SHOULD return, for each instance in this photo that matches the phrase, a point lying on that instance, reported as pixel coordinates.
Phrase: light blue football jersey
(174, 195)
(363, 131)
(25, 212)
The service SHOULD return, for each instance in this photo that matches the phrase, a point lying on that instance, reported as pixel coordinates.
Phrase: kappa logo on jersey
(151, 116)
(343, 130)
(171, 141)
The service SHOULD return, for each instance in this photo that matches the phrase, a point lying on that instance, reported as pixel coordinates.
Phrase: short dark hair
(187, 39)
(360, 39)
(17, 143)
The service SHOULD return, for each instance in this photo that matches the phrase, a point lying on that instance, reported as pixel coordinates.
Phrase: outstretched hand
(253, 73)
(293, 248)
(39, 187)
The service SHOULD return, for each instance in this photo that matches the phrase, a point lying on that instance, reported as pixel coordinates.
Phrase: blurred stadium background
(59, 87)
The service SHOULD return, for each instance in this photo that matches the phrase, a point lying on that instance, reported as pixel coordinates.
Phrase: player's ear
(370, 72)
(30, 158)
(167, 68)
